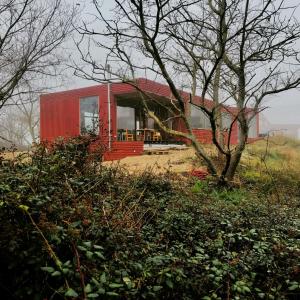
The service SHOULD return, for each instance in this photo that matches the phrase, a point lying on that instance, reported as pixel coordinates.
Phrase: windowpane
(253, 128)
(150, 123)
(198, 118)
(226, 120)
(126, 117)
(89, 115)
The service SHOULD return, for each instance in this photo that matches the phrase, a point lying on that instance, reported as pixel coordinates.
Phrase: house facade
(115, 112)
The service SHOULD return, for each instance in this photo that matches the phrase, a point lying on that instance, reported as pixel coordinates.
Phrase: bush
(72, 228)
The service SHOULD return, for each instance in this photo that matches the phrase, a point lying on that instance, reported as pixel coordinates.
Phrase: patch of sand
(176, 161)
(11, 155)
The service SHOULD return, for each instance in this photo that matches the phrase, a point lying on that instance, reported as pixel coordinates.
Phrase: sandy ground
(10, 155)
(176, 160)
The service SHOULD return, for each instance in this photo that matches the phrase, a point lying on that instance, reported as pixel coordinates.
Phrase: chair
(121, 134)
(140, 136)
(147, 134)
(156, 136)
(128, 136)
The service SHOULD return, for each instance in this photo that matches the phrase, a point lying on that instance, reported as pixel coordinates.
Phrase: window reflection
(198, 118)
(253, 128)
(226, 120)
(126, 117)
(89, 115)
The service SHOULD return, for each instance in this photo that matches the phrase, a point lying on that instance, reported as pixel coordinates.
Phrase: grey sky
(283, 108)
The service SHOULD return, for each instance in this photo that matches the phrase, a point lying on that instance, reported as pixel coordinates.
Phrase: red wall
(124, 149)
(205, 135)
(59, 117)
(59, 112)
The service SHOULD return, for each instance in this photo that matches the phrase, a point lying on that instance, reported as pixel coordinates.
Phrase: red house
(117, 109)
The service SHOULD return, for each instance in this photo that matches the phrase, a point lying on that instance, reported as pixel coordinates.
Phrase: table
(147, 132)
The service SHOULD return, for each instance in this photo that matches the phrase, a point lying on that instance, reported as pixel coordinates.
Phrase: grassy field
(277, 152)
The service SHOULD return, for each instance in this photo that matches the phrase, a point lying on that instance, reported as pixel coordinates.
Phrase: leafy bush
(72, 228)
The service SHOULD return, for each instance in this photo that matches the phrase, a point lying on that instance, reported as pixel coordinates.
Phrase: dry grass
(278, 152)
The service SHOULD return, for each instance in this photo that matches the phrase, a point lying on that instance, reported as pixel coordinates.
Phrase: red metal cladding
(124, 149)
(203, 135)
(59, 112)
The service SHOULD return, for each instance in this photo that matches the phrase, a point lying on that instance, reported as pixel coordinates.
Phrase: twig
(48, 246)
(79, 270)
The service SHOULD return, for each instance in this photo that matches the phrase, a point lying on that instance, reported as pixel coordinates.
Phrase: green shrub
(72, 228)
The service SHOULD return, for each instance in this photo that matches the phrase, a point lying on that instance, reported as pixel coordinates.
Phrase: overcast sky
(283, 108)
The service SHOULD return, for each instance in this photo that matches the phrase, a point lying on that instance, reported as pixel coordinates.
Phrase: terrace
(133, 123)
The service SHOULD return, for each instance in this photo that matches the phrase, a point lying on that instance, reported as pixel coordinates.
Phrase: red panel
(59, 112)
(58, 118)
(203, 135)
(124, 149)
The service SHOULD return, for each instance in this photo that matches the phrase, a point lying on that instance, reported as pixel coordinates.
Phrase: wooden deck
(156, 151)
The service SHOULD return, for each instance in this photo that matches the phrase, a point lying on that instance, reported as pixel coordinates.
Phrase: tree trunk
(236, 156)
(218, 114)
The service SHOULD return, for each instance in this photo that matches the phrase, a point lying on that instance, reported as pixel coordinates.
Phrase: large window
(226, 120)
(89, 115)
(126, 117)
(198, 118)
(252, 132)
(253, 128)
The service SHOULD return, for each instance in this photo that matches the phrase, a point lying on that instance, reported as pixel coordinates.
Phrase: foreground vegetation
(71, 228)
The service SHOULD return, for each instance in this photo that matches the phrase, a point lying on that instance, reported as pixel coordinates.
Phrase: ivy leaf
(115, 285)
(96, 282)
(127, 280)
(48, 269)
(56, 273)
(103, 278)
(81, 248)
(71, 293)
(169, 283)
(25, 208)
(98, 247)
(294, 287)
(157, 288)
(99, 254)
(75, 224)
(88, 244)
(88, 288)
(112, 294)
(94, 295)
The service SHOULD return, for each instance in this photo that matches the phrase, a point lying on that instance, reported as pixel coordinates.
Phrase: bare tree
(30, 116)
(20, 120)
(13, 130)
(31, 32)
(233, 51)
